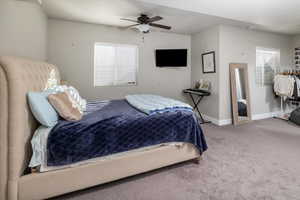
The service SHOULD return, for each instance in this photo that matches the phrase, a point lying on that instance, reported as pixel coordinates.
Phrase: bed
(17, 125)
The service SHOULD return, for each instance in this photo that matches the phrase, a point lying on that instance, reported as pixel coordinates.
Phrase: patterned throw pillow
(77, 100)
(63, 104)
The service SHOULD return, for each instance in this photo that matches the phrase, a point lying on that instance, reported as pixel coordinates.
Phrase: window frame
(266, 49)
(262, 81)
(116, 45)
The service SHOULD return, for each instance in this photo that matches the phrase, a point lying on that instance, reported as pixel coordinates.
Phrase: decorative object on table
(208, 62)
(240, 96)
(203, 85)
(200, 94)
(197, 85)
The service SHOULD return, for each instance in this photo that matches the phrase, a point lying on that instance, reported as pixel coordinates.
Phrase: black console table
(200, 94)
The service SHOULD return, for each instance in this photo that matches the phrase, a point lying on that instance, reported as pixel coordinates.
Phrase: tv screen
(171, 57)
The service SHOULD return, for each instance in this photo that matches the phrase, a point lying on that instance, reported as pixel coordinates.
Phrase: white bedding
(156, 104)
(39, 149)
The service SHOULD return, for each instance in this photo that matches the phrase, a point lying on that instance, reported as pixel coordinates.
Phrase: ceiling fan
(143, 23)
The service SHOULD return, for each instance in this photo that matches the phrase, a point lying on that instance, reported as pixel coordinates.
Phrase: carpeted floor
(259, 160)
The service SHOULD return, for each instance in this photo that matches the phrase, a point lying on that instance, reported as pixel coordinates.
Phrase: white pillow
(78, 99)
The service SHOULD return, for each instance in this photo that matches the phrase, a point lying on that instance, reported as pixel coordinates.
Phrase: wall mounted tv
(171, 57)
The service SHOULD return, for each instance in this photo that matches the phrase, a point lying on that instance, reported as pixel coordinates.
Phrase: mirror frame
(234, 105)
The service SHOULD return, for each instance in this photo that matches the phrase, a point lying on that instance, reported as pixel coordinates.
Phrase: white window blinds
(267, 61)
(115, 64)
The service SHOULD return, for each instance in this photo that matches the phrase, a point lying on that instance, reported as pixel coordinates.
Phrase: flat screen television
(171, 57)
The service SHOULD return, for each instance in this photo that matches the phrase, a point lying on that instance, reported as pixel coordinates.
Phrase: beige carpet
(259, 160)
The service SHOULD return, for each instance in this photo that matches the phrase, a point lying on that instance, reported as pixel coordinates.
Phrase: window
(115, 64)
(267, 62)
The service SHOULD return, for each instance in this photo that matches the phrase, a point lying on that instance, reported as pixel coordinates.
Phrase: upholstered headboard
(17, 77)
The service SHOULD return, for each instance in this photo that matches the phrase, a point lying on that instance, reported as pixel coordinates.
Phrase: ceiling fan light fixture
(143, 28)
(143, 23)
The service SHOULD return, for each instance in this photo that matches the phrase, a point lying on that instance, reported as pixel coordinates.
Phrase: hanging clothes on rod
(296, 94)
(284, 85)
(287, 75)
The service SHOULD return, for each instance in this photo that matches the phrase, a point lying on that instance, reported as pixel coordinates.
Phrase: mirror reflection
(240, 93)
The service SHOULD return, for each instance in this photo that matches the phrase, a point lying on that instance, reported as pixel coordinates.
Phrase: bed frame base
(197, 160)
(54, 183)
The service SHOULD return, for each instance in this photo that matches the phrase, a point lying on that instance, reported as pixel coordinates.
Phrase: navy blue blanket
(118, 127)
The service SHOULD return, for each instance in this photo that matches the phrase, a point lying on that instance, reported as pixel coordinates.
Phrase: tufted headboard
(17, 77)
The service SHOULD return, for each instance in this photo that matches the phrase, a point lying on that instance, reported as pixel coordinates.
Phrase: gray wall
(239, 45)
(233, 44)
(71, 47)
(23, 29)
(296, 41)
(205, 41)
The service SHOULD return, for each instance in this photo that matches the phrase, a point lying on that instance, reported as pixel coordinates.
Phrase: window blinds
(267, 61)
(115, 64)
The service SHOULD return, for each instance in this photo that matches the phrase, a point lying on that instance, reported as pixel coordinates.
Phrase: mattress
(39, 149)
(119, 127)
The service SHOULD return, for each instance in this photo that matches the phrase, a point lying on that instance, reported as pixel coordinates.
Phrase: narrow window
(267, 62)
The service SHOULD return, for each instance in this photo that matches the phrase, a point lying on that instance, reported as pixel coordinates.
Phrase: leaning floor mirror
(240, 97)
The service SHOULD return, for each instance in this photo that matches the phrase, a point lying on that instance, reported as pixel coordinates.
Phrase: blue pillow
(42, 109)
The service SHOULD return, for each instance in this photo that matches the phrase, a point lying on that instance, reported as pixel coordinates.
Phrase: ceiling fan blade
(160, 26)
(154, 19)
(130, 20)
(126, 27)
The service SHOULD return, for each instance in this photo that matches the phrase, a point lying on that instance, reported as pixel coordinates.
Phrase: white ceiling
(282, 16)
(109, 12)
(185, 16)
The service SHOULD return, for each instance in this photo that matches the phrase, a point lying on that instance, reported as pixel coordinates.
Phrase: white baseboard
(223, 122)
(217, 121)
(211, 119)
(264, 115)
(269, 115)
